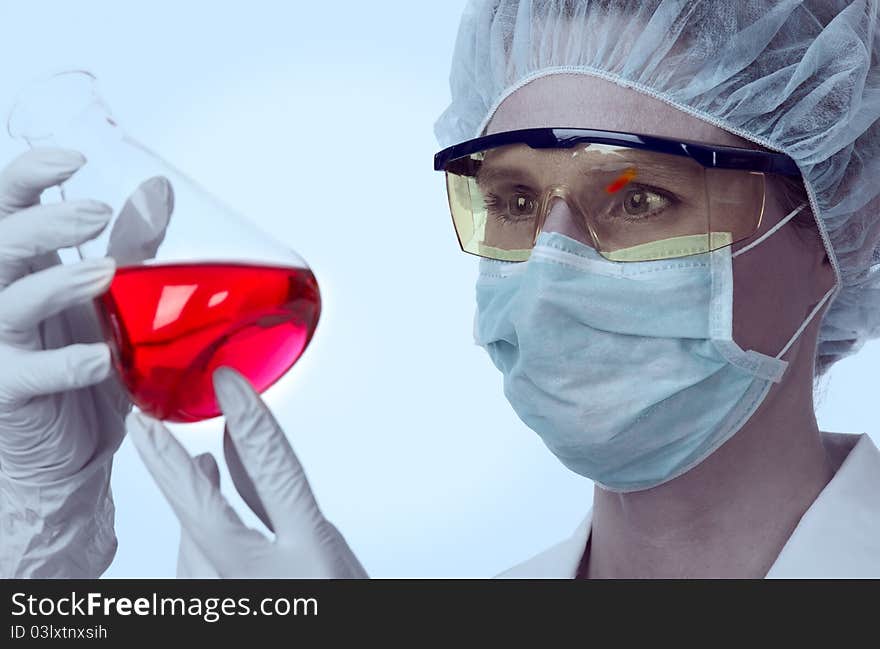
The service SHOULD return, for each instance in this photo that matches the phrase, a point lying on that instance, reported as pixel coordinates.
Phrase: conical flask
(197, 286)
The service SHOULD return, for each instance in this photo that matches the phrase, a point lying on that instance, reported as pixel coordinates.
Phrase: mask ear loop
(769, 233)
(821, 302)
(806, 322)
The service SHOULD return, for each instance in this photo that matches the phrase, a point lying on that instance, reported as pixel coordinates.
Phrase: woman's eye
(512, 206)
(521, 205)
(643, 202)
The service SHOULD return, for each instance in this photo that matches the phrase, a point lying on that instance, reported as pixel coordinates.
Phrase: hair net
(796, 77)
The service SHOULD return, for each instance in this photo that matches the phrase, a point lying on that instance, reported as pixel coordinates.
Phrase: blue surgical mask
(627, 370)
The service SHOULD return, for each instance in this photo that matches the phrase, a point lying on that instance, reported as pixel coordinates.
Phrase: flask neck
(48, 109)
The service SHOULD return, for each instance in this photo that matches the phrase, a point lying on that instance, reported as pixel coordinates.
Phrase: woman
(676, 210)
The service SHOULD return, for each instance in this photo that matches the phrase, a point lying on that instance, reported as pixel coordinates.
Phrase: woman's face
(776, 284)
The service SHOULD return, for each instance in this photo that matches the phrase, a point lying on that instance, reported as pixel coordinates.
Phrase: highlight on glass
(634, 197)
(197, 286)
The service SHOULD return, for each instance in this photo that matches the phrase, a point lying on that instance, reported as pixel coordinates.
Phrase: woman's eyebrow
(501, 172)
(634, 166)
(662, 167)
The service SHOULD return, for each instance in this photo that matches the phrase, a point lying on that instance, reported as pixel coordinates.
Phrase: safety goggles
(632, 197)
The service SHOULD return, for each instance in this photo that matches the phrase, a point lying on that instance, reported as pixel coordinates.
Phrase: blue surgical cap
(797, 77)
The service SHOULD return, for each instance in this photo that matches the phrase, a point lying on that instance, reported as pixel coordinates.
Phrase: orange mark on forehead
(622, 181)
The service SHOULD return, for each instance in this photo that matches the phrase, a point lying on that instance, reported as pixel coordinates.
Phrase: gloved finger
(79, 322)
(33, 298)
(202, 510)
(31, 374)
(24, 179)
(44, 228)
(330, 537)
(242, 481)
(277, 474)
(191, 561)
(143, 220)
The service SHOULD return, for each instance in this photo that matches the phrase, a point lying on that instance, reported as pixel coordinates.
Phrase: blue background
(317, 123)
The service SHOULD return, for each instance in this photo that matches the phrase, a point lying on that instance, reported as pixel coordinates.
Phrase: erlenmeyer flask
(193, 292)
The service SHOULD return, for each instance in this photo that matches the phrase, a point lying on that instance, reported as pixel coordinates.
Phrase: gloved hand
(214, 541)
(61, 411)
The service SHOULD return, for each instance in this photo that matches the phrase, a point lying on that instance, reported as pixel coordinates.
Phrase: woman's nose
(564, 219)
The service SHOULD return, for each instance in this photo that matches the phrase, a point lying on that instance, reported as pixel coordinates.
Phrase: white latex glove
(214, 541)
(61, 411)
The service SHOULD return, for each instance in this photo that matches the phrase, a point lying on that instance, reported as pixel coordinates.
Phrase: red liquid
(172, 326)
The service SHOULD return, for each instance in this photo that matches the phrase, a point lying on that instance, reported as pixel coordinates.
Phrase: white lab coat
(837, 537)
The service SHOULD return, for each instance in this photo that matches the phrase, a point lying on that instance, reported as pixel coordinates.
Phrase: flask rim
(50, 102)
